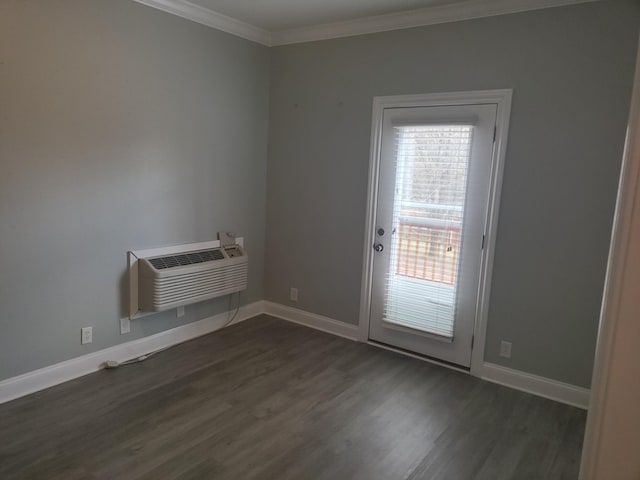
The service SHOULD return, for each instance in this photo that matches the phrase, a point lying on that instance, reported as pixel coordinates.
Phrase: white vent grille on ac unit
(173, 280)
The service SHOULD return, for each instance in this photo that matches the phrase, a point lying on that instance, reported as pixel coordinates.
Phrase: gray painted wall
(121, 127)
(571, 70)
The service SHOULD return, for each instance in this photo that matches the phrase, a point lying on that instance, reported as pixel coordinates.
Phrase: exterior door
(433, 192)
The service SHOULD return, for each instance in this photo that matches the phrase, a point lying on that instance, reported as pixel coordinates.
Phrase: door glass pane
(431, 179)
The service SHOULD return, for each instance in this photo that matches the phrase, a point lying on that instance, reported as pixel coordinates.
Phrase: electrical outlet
(125, 326)
(505, 349)
(87, 335)
(180, 312)
(293, 294)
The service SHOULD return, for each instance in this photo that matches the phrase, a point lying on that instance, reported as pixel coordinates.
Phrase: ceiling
(279, 15)
(281, 22)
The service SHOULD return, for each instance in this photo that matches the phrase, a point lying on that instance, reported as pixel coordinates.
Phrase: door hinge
(482, 246)
(495, 132)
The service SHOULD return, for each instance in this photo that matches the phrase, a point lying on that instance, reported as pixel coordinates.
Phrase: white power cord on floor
(234, 313)
(110, 364)
(141, 358)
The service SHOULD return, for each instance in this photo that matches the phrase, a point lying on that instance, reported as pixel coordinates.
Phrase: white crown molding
(210, 18)
(414, 18)
(380, 23)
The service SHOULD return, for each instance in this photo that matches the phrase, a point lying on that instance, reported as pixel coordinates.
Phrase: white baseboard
(526, 382)
(46, 377)
(541, 386)
(312, 320)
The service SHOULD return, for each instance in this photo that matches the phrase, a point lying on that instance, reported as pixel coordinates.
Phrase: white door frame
(503, 99)
(609, 395)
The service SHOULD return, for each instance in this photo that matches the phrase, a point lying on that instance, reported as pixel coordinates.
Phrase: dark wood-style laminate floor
(267, 399)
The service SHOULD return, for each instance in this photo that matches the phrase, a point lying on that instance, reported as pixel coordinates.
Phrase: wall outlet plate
(125, 326)
(87, 335)
(293, 294)
(505, 349)
(180, 312)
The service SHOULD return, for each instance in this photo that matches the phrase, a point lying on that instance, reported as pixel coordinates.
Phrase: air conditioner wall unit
(180, 276)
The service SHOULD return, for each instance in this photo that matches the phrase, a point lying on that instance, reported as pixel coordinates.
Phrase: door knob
(378, 247)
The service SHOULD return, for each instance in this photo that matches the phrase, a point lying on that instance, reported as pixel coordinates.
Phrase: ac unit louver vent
(170, 281)
(171, 261)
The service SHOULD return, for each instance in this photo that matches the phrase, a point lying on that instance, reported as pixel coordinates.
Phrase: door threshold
(424, 358)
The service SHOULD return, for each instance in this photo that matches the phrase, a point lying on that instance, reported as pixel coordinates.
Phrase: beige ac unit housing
(173, 280)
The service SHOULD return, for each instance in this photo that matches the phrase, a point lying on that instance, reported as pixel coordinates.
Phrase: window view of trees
(430, 195)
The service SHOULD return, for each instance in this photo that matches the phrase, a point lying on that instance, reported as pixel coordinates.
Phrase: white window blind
(430, 194)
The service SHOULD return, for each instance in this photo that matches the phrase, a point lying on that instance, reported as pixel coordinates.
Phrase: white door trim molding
(617, 295)
(503, 99)
(49, 376)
